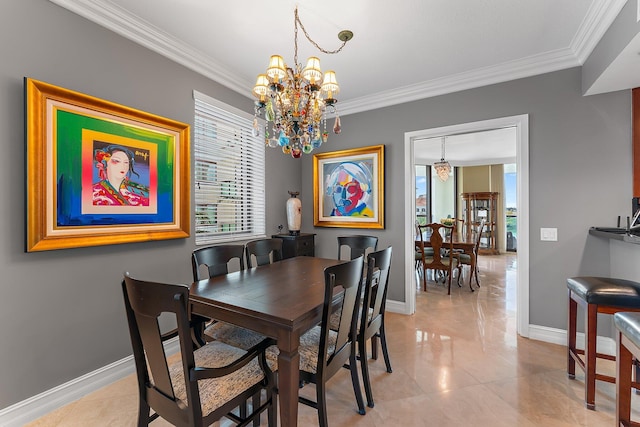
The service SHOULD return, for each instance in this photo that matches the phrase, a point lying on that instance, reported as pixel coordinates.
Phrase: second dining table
(281, 300)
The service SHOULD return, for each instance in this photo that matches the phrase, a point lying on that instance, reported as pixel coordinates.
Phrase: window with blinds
(229, 173)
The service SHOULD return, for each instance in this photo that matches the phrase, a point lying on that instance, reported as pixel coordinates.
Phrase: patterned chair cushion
(465, 258)
(308, 350)
(217, 391)
(233, 335)
(334, 320)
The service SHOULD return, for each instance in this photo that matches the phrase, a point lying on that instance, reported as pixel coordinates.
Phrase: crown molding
(598, 19)
(512, 70)
(120, 21)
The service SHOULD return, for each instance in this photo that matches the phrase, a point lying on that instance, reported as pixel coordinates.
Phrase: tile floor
(457, 362)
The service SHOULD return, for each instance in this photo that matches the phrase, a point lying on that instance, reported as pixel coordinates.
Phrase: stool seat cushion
(606, 291)
(629, 325)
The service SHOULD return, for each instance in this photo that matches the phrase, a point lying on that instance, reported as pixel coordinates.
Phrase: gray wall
(580, 173)
(61, 313)
(624, 28)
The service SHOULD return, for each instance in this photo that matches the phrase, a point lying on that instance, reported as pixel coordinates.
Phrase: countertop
(616, 234)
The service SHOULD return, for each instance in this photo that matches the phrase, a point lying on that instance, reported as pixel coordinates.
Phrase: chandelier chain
(297, 21)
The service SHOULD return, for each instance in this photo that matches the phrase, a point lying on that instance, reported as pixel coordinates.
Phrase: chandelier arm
(297, 21)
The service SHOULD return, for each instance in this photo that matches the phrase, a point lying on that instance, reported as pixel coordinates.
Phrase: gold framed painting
(100, 173)
(348, 188)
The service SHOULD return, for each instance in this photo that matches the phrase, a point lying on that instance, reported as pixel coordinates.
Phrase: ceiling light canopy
(294, 100)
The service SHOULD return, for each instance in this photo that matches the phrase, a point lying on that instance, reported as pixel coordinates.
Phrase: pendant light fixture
(443, 168)
(295, 99)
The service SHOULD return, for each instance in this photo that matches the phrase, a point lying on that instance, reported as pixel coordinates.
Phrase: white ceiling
(497, 146)
(411, 50)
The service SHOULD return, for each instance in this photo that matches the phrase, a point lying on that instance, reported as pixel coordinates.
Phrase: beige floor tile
(457, 362)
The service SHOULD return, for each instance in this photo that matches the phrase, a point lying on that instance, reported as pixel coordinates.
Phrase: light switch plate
(549, 234)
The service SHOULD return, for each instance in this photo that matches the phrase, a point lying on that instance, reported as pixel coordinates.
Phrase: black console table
(302, 244)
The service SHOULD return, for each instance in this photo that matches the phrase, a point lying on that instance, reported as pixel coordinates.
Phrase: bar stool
(596, 295)
(628, 348)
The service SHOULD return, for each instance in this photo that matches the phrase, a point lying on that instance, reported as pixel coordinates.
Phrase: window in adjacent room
(229, 173)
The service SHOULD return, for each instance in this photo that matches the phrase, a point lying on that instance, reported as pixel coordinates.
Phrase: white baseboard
(399, 307)
(604, 345)
(37, 406)
(41, 404)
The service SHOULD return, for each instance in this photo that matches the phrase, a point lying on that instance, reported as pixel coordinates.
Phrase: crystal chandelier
(443, 168)
(295, 100)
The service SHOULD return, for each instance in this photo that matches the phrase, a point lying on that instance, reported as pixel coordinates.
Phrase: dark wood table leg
(288, 384)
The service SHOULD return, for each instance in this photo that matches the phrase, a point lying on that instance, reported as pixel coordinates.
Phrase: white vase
(294, 213)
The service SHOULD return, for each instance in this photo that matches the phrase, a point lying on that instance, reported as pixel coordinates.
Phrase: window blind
(229, 173)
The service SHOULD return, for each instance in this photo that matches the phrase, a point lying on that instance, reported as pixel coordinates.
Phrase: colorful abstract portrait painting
(123, 178)
(349, 188)
(101, 173)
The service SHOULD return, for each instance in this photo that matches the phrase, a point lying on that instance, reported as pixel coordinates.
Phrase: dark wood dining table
(282, 300)
(465, 244)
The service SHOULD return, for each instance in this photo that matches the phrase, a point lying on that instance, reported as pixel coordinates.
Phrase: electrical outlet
(549, 234)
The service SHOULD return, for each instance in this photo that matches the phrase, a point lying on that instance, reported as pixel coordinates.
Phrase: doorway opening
(520, 125)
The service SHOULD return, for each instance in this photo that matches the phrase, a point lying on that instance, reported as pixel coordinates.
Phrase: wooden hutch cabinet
(479, 206)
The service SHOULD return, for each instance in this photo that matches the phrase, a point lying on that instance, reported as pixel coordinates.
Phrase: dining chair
(324, 350)
(216, 260)
(472, 259)
(205, 384)
(371, 322)
(420, 251)
(357, 244)
(443, 258)
(264, 251)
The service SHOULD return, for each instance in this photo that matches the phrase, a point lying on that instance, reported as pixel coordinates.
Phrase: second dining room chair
(420, 252)
(438, 261)
(358, 245)
(324, 351)
(213, 261)
(264, 251)
(205, 384)
(371, 321)
(469, 259)
(216, 260)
